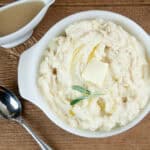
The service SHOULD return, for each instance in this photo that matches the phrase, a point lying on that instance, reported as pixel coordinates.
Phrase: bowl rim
(73, 18)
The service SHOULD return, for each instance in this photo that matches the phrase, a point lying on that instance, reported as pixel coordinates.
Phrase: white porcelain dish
(21, 35)
(30, 59)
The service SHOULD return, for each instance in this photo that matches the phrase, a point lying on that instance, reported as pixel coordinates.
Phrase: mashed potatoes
(101, 57)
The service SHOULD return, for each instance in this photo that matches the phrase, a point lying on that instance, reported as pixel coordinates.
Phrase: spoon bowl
(11, 108)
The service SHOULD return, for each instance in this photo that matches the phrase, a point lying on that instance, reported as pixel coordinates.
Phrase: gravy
(14, 18)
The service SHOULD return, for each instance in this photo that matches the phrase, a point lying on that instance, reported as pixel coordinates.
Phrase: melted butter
(92, 54)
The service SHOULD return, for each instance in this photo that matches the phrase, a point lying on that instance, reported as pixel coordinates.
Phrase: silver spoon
(11, 108)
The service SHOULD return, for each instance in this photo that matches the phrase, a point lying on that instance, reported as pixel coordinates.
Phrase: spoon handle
(41, 143)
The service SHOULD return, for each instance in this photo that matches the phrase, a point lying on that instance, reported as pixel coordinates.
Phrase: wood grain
(94, 2)
(13, 137)
(103, 2)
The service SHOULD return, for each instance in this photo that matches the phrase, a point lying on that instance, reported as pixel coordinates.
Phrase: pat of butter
(95, 72)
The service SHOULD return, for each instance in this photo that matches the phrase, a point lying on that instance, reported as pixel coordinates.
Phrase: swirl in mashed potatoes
(100, 56)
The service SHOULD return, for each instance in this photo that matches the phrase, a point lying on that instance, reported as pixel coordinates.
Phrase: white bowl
(30, 59)
(24, 33)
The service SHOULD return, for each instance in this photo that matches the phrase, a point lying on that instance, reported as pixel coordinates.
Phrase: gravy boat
(21, 35)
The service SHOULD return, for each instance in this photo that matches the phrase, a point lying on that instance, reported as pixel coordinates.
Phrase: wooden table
(14, 137)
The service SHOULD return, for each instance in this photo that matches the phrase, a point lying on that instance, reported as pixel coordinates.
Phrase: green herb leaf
(86, 94)
(81, 89)
(76, 100)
